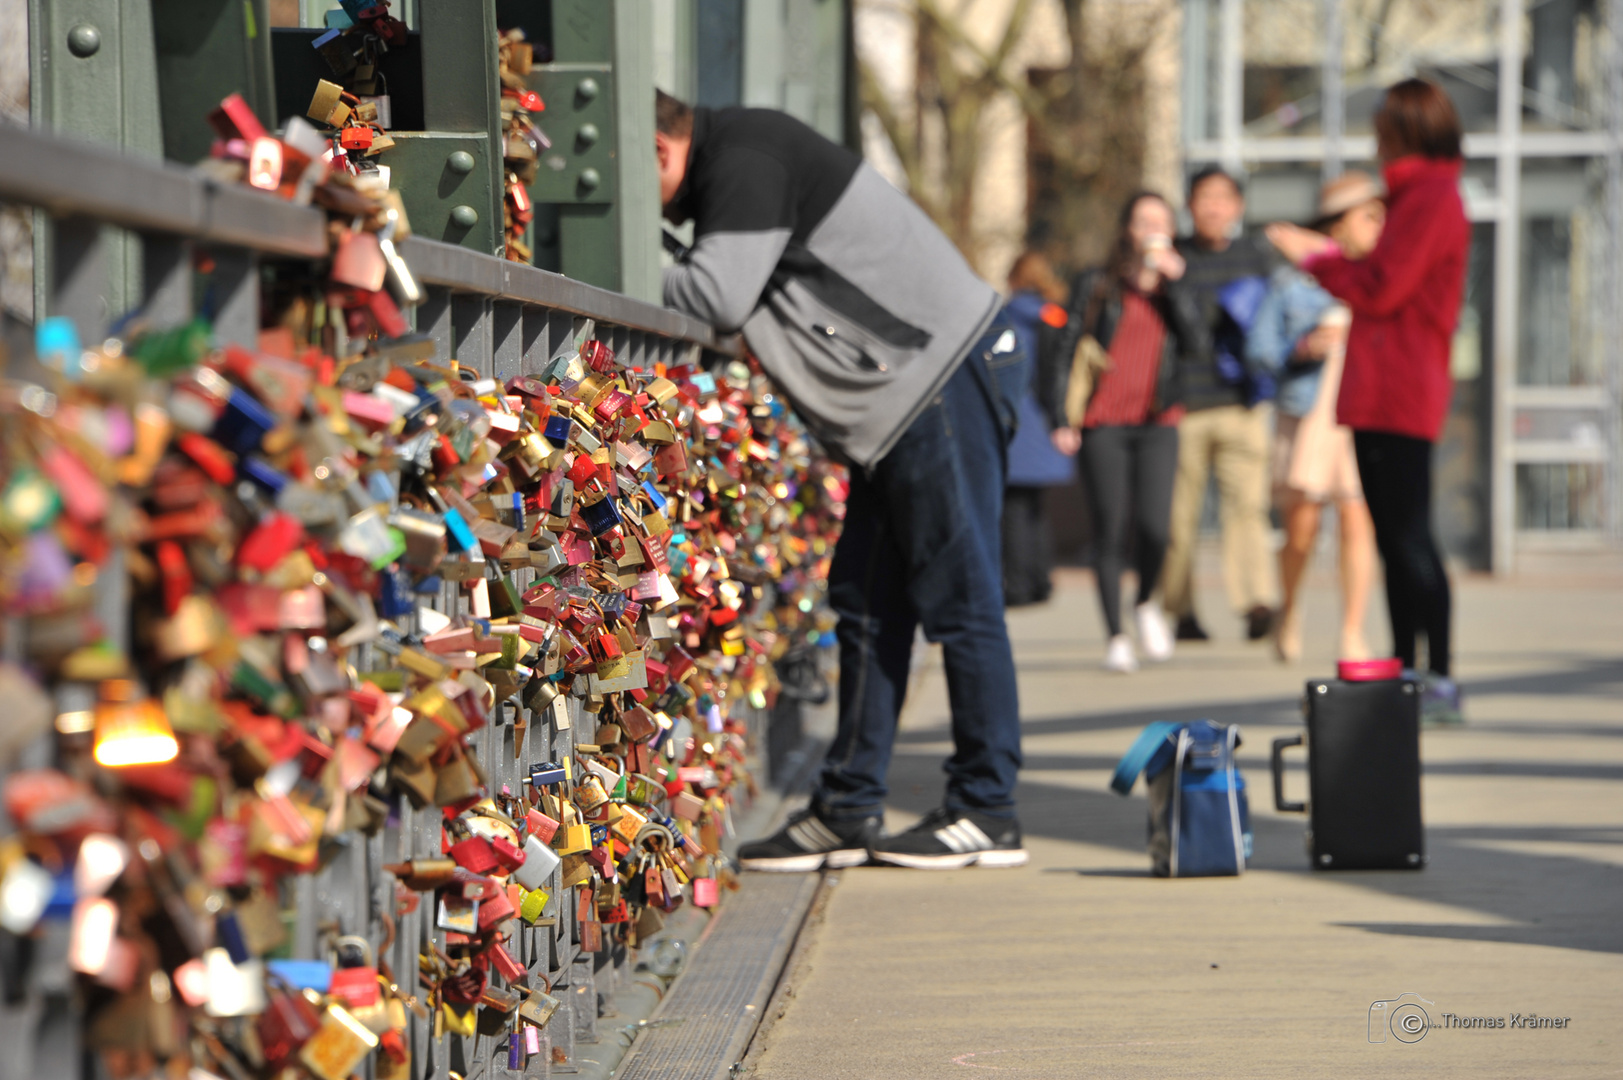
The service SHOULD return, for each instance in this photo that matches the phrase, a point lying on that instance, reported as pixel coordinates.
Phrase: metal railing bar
(457, 268)
(69, 178)
(72, 178)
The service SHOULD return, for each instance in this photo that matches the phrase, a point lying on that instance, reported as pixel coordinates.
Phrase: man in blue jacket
(895, 355)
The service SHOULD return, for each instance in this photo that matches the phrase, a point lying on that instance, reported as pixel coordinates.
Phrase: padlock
(540, 861)
(359, 260)
(495, 911)
(475, 855)
(339, 1045)
(538, 1007)
(461, 916)
(590, 793)
(456, 782)
(533, 905)
(288, 1022)
(327, 105)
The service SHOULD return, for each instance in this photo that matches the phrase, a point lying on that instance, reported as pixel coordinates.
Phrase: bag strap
(1139, 754)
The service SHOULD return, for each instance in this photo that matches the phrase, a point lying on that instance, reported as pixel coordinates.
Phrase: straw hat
(1350, 189)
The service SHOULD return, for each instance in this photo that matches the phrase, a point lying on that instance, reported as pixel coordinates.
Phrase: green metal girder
(461, 111)
(580, 120)
(589, 221)
(206, 51)
(93, 77)
(421, 168)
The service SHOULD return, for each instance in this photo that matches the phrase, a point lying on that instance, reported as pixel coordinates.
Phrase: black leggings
(1027, 557)
(1130, 472)
(1396, 473)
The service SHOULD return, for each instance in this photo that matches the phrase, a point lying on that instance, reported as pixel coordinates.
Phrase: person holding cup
(1299, 336)
(1113, 388)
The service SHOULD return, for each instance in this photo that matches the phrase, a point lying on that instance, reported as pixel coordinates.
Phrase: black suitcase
(1363, 764)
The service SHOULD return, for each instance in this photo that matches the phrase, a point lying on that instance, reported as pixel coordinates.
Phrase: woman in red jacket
(1405, 298)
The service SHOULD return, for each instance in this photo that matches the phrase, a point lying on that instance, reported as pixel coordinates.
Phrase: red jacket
(1405, 299)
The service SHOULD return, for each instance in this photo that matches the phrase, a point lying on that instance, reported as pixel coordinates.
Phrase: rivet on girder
(84, 40)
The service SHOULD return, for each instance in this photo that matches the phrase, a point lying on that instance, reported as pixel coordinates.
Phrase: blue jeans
(921, 546)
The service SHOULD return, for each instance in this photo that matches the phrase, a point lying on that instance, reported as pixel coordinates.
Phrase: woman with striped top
(1148, 325)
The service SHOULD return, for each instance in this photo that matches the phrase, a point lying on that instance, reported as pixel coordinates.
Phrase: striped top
(1124, 395)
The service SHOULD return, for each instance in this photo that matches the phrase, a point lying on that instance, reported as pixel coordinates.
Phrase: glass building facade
(1284, 91)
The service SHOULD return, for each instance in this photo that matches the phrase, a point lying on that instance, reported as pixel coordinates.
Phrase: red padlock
(508, 855)
(474, 855)
(356, 988)
(494, 911)
(509, 968)
(541, 826)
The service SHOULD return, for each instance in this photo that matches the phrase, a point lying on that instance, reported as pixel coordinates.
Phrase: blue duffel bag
(1200, 822)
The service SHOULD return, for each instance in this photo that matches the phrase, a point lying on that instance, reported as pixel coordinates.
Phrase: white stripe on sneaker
(976, 837)
(812, 835)
(803, 837)
(964, 836)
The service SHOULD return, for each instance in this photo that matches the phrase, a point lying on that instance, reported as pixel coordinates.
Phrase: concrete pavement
(1083, 965)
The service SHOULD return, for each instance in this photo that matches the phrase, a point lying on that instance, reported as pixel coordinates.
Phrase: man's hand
(1067, 440)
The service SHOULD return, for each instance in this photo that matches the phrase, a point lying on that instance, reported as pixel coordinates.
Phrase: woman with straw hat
(1300, 337)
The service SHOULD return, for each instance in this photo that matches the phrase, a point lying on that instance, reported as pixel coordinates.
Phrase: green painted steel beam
(93, 77)
(600, 174)
(207, 50)
(450, 173)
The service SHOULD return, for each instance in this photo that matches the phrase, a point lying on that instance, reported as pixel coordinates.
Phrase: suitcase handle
(1277, 765)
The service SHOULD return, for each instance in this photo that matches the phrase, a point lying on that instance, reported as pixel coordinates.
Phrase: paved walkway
(1083, 965)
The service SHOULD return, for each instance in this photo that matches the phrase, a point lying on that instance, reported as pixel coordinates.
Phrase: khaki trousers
(1230, 441)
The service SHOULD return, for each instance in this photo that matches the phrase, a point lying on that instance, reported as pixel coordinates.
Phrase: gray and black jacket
(855, 303)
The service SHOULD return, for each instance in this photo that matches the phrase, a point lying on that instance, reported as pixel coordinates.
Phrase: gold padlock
(538, 1007)
(327, 104)
(339, 1045)
(574, 839)
(589, 793)
(459, 1023)
(455, 781)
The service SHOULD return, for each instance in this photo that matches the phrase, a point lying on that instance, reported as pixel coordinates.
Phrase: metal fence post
(166, 278)
(92, 76)
(235, 291)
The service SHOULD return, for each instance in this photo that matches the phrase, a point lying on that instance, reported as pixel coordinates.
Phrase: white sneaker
(1119, 655)
(1153, 632)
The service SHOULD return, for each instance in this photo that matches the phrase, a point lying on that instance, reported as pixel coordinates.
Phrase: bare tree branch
(896, 133)
(1087, 142)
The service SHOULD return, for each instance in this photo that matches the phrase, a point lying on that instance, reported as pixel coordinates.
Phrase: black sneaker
(809, 841)
(1189, 629)
(1259, 622)
(949, 839)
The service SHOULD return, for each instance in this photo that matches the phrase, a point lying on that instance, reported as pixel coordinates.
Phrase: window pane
(1455, 42)
(1565, 84)
(1563, 271)
(1559, 496)
(1284, 58)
